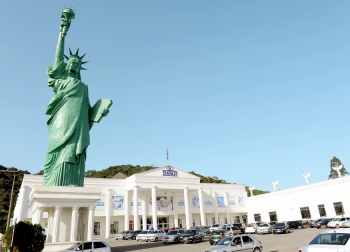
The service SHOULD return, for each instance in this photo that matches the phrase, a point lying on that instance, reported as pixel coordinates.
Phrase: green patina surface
(69, 111)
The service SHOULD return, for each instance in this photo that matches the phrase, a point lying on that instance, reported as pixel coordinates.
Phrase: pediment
(168, 171)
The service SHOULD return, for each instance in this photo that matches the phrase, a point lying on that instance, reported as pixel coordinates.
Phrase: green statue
(71, 116)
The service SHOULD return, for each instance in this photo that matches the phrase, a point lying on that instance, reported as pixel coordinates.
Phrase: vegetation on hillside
(128, 170)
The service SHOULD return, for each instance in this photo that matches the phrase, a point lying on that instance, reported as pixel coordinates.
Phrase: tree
(334, 174)
(28, 237)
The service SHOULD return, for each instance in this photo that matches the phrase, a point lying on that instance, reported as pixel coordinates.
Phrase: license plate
(216, 240)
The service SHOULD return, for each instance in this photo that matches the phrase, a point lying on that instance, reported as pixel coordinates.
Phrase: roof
(120, 175)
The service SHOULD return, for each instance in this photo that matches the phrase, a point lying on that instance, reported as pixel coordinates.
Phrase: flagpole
(167, 155)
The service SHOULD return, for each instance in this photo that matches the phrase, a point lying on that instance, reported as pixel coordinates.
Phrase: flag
(167, 154)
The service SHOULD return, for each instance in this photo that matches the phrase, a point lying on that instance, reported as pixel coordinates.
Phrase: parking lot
(280, 242)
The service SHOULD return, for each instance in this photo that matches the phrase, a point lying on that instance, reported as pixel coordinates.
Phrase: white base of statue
(66, 206)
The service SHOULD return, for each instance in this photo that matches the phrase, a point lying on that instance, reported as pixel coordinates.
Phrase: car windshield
(190, 232)
(207, 227)
(225, 241)
(74, 246)
(216, 232)
(172, 232)
(250, 225)
(215, 225)
(317, 220)
(331, 239)
(124, 232)
(131, 232)
(154, 232)
(279, 225)
(144, 232)
(263, 225)
(336, 219)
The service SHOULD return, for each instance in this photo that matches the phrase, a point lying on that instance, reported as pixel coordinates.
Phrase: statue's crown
(77, 57)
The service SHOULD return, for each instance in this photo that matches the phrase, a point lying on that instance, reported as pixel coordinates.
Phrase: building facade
(166, 197)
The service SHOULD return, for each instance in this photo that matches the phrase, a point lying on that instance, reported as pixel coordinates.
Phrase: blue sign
(169, 172)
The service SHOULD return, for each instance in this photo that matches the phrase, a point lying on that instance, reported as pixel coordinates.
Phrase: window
(247, 239)
(305, 213)
(225, 220)
(322, 211)
(180, 223)
(99, 245)
(87, 245)
(273, 216)
(97, 228)
(213, 220)
(194, 221)
(331, 239)
(114, 227)
(257, 217)
(338, 207)
(237, 221)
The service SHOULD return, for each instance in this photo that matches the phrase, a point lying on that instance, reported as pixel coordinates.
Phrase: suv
(192, 235)
(241, 226)
(295, 224)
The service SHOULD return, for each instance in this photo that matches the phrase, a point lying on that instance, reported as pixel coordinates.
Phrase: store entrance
(163, 223)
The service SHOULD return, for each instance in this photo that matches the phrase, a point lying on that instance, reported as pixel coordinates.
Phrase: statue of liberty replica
(71, 116)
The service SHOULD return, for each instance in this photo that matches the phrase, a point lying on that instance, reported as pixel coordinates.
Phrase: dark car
(281, 227)
(295, 224)
(323, 223)
(217, 235)
(272, 223)
(240, 226)
(192, 235)
(206, 229)
(312, 224)
(132, 235)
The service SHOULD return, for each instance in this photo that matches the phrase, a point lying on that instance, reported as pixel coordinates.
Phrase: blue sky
(241, 90)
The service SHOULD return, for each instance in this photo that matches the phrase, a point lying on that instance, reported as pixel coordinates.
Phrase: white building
(167, 197)
(323, 199)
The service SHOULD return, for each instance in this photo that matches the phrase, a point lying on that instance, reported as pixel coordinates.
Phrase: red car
(174, 228)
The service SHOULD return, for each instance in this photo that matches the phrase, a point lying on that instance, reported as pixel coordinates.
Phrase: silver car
(264, 228)
(216, 227)
(98, 246)
(237, 243)
(233, 231)
(142, 236)
(172, 236)
(121, 235)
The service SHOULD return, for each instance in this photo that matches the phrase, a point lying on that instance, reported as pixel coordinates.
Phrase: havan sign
(169, 171)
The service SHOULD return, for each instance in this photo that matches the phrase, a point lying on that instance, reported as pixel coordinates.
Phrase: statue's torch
(68, 14)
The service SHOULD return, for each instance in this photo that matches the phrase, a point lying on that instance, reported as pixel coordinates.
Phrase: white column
(22, 203)
(74, 224)
(227, 205)
(90, 232)
(144, 212)
(187, 209)
(215, 205)
(175, 209)
(154, 208)
(201, 206)
(126, 205)
(136, 209)
(108, 212)
(56, 224)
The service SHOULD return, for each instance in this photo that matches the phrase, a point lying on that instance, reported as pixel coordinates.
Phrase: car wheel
(337, 226)
(299, 227)
(202, 240)
(256, 250)
(123, 239)
(164, 243)
(194, 240)
(211, 243)
(156, 239)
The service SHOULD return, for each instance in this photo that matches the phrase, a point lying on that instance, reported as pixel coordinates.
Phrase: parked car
(272, 223)
(233, 231)
(98, 246)
(142, 236)
(323, 223)
(281, 227)
(251, 228)
(206, 229)
(241, 226)
(132, 235)
(192, 235)
(216, 227)
(264, 228)
(312, 224)
(306, 223)
(173, 236)
(237, 243)
(121, 235)
(174, 228)
(217, 235)
(346, 224)
(337, 222)
(329, 241)
(154, 235)
(295, 224)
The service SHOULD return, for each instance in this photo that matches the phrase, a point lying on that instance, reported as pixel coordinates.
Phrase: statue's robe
(68, 129)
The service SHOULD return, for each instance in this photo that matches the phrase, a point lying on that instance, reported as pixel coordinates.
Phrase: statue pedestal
(69, 209)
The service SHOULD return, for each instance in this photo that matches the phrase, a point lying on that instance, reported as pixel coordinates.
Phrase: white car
(154, 235)
(142, 236)
(237, 243)
(329, 241)
(346, 224)
(216, 227)
(251, 228)
(337, 222)
(98, 246)
(121, 235)
(265, 228)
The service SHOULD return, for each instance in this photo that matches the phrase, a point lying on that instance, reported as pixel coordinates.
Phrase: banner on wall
(232, 201)
(208, 201)
(132, 203)
(241, 201)
(100, 204)
(118, 202)
(180, 201)
(195, 202)
(163, 203)
(221, 201)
